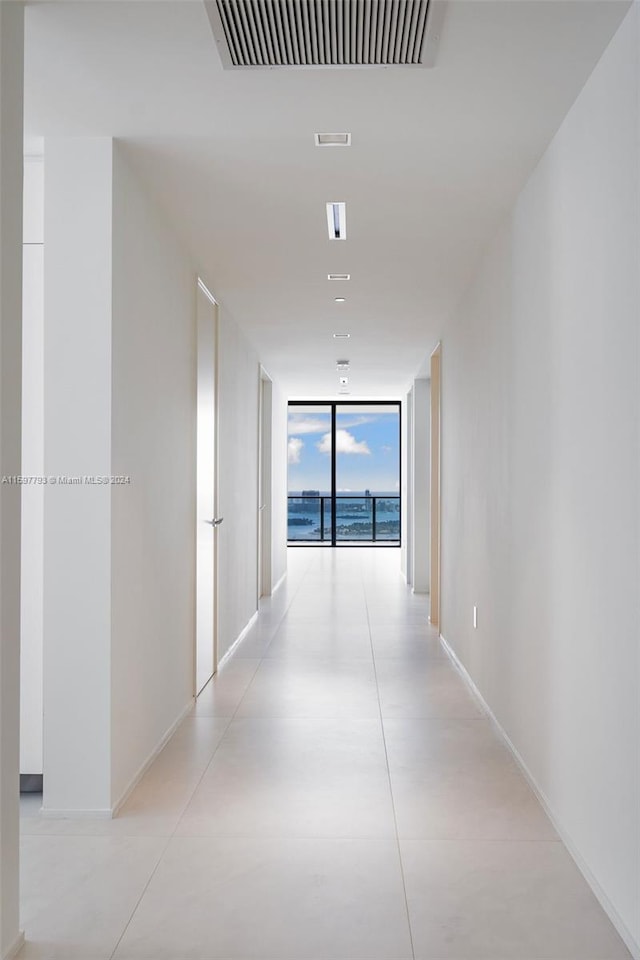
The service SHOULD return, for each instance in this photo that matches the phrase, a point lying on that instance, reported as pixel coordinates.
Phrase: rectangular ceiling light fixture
(338, 276)
(342, 365)
(337, 220)
(333, 139)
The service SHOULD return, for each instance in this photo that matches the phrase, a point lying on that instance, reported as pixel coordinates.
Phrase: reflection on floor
(335, 795)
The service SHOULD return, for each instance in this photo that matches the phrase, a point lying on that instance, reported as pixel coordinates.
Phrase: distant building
(310, 493)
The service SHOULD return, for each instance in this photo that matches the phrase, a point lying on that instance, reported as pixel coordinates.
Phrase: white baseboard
(15, 947)
(279, 583)
(164, 739)
(232, 649)
(599, 893)
(108, 813)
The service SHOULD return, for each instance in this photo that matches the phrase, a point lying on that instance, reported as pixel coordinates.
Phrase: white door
(260, 482)
(264, 488)
(206, 620)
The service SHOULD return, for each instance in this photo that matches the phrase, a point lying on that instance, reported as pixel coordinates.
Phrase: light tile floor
(336, 794)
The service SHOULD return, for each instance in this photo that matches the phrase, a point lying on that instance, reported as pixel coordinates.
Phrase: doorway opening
(344, 474)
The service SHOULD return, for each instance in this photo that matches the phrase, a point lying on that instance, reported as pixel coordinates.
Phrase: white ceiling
(437, 158)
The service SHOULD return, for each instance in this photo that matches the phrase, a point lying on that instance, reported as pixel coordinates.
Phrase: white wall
(238, 399)
(540, 478)
(11, 79)
(120, 401)
(120, 395)
(77, 518)
(32, 465)
(154, 442)
(420, 485)
(415, 486)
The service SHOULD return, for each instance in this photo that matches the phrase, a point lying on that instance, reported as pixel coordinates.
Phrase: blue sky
(367, 445)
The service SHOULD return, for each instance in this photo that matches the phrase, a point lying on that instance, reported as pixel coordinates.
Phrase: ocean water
(354, 517)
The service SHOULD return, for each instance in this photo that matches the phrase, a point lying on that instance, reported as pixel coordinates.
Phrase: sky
(367, 450)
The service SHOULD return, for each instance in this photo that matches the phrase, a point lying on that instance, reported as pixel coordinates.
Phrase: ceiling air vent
(333, 139)
(316, 33)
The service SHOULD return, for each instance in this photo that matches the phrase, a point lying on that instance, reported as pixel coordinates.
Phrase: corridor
(336, 794)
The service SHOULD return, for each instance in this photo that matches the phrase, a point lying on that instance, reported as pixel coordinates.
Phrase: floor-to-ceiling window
(344, 473)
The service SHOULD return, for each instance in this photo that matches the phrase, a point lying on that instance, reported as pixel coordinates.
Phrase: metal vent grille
(320, 33)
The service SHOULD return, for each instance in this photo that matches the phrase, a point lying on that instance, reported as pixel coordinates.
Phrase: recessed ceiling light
(340, 299)
(344, 381)
(338, 276)
(337, 220)
(333, 139)
(341, 336)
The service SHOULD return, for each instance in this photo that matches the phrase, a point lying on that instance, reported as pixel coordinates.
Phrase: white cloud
(345, 443)
(294, 449)
(299, 423)
(356, 421)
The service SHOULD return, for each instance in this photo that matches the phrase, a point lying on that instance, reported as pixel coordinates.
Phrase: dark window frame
(333, 405)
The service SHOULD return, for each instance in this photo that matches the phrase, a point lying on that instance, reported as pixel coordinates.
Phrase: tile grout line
(201, 778)
(386, 756)
(170, 837)
(266, 650)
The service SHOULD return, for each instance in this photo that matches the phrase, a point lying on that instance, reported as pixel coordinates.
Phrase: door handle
(216, 522)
